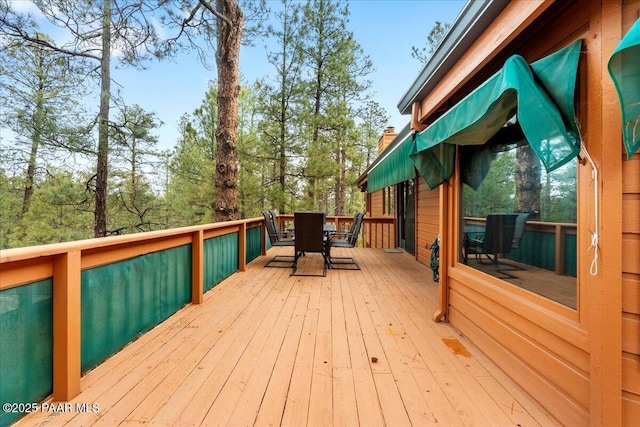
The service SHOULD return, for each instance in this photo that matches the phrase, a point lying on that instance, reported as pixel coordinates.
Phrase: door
(407, 216)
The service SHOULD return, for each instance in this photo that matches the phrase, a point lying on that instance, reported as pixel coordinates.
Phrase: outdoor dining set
(312, 234)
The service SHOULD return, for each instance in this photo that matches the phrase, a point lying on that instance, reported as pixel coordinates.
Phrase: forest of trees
(554, 199)
(303, 136)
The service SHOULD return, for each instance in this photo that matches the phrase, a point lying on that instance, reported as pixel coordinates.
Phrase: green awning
(542, 97)
(624, 68)
(394, 168)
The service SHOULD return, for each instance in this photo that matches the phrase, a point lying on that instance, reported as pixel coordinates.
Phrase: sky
(385, 29)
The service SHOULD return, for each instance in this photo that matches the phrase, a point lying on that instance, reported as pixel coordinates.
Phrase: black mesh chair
(346, 240)
(497, 239)
(310, 238)
(277, 238)
(518, 231)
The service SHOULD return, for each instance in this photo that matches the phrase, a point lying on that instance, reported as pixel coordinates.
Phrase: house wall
(427, 214)
(569, 360)
(631, 291)
(630, 266)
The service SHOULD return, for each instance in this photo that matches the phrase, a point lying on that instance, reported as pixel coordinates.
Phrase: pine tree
(335, 68)
(95, 30)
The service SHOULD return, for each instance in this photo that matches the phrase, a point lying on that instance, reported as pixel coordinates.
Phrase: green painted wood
(220, 259)
(538, 249)
(254, 244)
(123, 300)
(26, 346)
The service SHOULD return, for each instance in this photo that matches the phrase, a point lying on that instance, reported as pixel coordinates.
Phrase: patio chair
(277, 238)
(497, 239)
(310, 238)
(346, 240)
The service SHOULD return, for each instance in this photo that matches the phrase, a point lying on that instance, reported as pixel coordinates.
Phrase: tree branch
(18, 32)
(211, 9)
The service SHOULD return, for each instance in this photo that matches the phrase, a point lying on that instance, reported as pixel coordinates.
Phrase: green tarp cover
(624, 68)
(396, 167)
(542, 96)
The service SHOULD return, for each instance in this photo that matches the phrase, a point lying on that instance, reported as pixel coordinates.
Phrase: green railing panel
(254, 243)
(539, 249)
(220, 259)
(123, 300)
(26, 346)
(571, 255)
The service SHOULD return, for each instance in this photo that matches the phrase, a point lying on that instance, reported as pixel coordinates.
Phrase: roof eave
(473, 20)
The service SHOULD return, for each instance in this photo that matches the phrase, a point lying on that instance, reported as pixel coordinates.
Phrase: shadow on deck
(352, 348)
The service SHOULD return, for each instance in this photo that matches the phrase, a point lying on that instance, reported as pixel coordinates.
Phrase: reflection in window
(388, 203)
(518, 221)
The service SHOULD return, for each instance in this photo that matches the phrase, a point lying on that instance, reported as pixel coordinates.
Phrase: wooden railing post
(242, 247)
(197, 267)
(560, 242)
(66, 325)
(263, 239)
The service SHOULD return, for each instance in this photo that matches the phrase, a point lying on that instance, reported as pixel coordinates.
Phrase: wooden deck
(266, 349)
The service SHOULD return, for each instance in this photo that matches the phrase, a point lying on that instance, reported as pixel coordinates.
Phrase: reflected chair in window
(346, 239)
(310, 238)
(496, 240)
(278, 238)
(521, 222)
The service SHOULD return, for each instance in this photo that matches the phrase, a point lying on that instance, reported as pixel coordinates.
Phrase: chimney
(388, 135)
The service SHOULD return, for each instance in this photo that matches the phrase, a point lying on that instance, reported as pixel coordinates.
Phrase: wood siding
(427, 225)
(631, 291)
(569, 360)
(630, 266)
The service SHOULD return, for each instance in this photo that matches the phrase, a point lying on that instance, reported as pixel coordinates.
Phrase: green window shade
(542, 96)
(394, 168)
(624, 68)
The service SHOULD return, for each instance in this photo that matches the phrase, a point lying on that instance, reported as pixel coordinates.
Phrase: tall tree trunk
(100, 213)
(31, 172)
(31, 167)
(227, 58)
(527, 181)
(312, 175)
(341, 183)
(282, 160)
(36, 138)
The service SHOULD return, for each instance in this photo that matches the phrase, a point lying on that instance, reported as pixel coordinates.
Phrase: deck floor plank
(275, 395)
(400, 351)
(367, 401)
(399, 313)
(267, 349)
(223, 359)
(296, 408)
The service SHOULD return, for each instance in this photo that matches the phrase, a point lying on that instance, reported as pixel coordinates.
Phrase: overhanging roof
(472, 21)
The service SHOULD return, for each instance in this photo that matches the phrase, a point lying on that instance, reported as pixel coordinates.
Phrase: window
(388, 201)
(518, 223)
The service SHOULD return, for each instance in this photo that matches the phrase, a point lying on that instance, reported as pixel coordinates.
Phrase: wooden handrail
(371, 234)
(26, 265)
(64, 262)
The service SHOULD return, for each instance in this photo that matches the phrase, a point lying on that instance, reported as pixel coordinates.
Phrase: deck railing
(548, 245)
(377, 232)
(64, 308)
